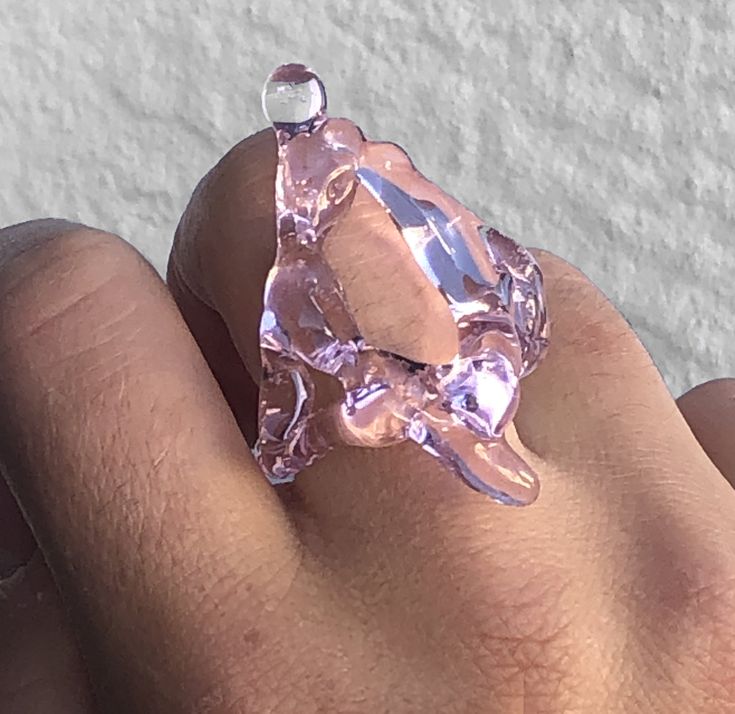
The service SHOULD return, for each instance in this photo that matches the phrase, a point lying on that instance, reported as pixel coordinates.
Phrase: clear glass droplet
(294, 98)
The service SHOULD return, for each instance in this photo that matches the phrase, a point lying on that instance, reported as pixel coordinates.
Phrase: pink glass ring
(456, 409)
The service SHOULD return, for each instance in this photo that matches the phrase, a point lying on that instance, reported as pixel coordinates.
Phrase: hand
(178, 580)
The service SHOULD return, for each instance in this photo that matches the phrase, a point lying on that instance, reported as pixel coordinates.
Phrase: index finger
(128, 463)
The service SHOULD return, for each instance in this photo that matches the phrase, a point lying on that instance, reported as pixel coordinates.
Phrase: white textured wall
(602, 130)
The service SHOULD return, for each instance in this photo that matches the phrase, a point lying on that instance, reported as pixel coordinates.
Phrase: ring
(456, 410)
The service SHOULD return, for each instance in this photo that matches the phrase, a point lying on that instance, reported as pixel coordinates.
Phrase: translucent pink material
(457, 410)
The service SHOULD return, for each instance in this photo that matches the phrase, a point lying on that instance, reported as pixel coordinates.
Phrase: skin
(166, 575)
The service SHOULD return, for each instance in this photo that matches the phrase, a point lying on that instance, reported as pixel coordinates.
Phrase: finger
(217, 221)
(129, 466)
(597, 378)
(709, 409)
(599, 391)
(222, 357)
(611, 446)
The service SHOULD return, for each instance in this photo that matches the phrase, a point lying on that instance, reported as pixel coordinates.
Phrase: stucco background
(603, 131)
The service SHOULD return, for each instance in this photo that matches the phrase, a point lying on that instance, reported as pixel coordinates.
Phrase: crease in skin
(482, 294)
(13, 578)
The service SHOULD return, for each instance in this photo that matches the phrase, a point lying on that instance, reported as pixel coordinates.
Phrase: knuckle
(49, 269)
(47, 247)
(43, 237)
(693, 638)
(691, 570)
